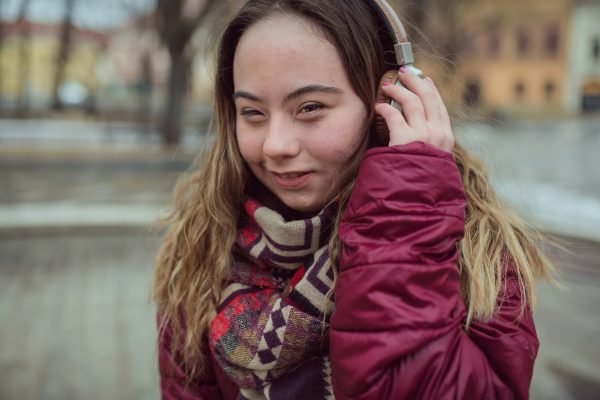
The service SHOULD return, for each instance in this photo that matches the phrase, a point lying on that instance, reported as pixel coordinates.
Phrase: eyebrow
(310, 89)
(296, 93)
(246, 95)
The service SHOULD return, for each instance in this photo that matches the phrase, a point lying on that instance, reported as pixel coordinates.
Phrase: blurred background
(103, 104)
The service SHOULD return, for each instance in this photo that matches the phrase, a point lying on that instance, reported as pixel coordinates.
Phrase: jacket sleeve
(172, 374)
(397, 332)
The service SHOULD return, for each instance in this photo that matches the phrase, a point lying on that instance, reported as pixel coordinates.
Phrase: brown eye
(252, 115)
(250, 112)
(311, 108)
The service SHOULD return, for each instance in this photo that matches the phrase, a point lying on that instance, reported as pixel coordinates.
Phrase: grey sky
(89, 14)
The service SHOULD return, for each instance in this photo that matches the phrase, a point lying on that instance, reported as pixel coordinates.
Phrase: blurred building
(133, 71)
(136, 65)
(583, 78)
(514, 56)
(509, 58)
(28, 63)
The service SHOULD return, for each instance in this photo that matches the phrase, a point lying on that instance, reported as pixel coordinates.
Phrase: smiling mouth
(292, 180)
(292, 175)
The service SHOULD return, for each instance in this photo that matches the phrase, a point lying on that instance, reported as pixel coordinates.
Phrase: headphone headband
(394, 35)
(389, 19)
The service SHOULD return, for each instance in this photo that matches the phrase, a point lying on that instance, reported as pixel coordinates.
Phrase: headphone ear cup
(382, 133)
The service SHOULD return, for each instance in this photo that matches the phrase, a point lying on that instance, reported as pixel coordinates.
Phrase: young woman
(315, 255)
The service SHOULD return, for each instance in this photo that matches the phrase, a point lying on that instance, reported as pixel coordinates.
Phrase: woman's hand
(425, 117)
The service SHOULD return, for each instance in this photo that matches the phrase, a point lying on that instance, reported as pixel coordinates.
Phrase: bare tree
(453, 25)
(176, 30)
(24, 57)
(144, 90)
(1, 38)
(441, 32)
(63, 53)
(413, 16)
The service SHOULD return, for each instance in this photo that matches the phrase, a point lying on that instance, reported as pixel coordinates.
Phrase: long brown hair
(196, 254)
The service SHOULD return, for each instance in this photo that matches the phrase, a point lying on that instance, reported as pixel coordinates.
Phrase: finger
(443, 110)
(397, 126)
(448, 142)
(429, 98)
(430, 83)
(412, 106)
(393, 118)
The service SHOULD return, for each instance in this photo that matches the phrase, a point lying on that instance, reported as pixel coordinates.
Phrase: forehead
(280, 27)
(288, 49)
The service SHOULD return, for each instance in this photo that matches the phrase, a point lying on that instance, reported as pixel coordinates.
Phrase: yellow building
(512, 54)
(29, 55)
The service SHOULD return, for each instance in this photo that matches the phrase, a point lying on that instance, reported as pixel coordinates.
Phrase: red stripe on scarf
(294, 281)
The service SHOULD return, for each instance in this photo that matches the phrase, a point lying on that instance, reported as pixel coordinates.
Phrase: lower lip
(292, 183)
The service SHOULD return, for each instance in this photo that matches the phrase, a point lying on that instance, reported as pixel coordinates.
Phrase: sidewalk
(553, 209)
(62, 151)
(547, 170)
(64, 215)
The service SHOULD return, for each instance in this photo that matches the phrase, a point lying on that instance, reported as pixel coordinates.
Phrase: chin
(306, 207)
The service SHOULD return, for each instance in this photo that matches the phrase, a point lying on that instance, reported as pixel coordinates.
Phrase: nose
(281, 141)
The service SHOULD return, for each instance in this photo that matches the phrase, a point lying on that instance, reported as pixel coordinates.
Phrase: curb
(67, 216)
(554, 209)
(549, 208)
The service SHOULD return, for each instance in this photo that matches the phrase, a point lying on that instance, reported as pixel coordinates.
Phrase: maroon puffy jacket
(397, 332)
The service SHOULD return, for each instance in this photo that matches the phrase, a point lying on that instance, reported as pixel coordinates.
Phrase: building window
(552, 40)
(522, 42)
(591, 96)
(467, 43)
(596, 49)
(494, 42)
(472, 94)
(549, 90)
(519, 90)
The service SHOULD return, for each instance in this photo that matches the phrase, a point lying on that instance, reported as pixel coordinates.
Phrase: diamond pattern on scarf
(272, 339)
(283, 328)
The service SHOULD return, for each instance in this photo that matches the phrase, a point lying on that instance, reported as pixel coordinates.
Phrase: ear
(381, 129)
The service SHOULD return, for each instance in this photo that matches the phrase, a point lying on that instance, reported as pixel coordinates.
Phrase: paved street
(561, 153)
(548, 170)
(74, 318)
(568, 326)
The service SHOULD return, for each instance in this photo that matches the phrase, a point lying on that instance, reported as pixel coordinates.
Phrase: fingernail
(386, 84)
(377, 104)
(403, 69)
(428, 79)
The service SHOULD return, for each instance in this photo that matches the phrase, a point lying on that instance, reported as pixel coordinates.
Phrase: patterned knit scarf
(269, 334)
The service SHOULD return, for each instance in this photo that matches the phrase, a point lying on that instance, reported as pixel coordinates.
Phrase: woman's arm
(397, 332)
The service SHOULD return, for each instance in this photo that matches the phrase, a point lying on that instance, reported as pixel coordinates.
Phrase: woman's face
(298, 119)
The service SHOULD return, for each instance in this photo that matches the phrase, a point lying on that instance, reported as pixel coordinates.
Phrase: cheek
(250, 147)
(334, 154)
(342, 140)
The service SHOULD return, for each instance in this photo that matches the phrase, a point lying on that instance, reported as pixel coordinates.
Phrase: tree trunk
(415, 13)
(176, 31)
(144, 91)
(24, 60)
(178, 79)
(63, 54)
(1, 37)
